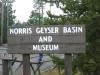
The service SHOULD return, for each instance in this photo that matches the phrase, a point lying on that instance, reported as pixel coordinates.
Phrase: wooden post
(5, 67)
(26, 64)
(68, 64)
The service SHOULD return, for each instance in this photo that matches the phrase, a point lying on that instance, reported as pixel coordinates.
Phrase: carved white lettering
(45, 39)
(72, 29)
(21, 31)
(47, 30)
(45, 47)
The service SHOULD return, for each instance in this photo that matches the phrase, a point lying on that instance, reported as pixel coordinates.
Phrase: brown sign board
(46, 39)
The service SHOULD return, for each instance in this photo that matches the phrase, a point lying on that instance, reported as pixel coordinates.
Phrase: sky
(24, 7)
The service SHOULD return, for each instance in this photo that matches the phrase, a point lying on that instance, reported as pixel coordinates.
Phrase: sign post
(26, 64)
(68, 64)
(63, 39)
(5, 64)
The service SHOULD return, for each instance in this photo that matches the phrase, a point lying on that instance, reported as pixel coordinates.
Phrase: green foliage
(85, 64)
(87, 12)
(35, 18)
(54, 19)
(58, 62)
(83, 12)
(11, 17)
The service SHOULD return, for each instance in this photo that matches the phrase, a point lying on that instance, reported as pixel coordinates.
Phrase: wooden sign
(46, 39)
